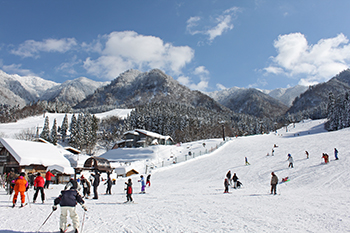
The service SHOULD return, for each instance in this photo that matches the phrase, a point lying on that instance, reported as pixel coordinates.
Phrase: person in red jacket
(48, 178)
(128, 191)
(20, 187)
(39, 183)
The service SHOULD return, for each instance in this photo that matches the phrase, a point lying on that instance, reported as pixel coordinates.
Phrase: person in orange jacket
(20, 187)
(48, 179)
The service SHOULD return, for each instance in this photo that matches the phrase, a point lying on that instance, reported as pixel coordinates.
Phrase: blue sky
(205, 45)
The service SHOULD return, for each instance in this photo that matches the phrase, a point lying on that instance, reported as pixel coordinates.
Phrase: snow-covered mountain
(286, 95)
(133, 88)
(72, 91)
(16, 89)
(249, 101)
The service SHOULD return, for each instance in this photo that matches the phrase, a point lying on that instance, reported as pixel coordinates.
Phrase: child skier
(20, 187)
(86, 186)
(109, 185)
(290, 160)
(39, 183)
(128, 190)
(143, 184)
(226, 184)
(148, 180)
(246, 161)
(68, 201)
(325, 157)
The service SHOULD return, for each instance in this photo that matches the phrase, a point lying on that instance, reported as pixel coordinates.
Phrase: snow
(188, 196)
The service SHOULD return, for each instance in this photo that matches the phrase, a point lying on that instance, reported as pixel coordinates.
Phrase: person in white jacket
(290, 160)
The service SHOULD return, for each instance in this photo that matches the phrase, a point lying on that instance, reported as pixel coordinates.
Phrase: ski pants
(23, 197)
(143, 188)
(95, 192)
(73, 215)
(128, 197)
(47, 184)
(109, 189)
(41, 189)
(148, 183)
(273, 188)
(86, 192)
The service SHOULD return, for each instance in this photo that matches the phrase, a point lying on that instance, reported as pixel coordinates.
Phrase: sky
(207, 45)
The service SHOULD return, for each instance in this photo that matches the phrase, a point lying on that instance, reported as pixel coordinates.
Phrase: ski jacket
(49, 175)
(96, 179)
(226, 183)
(72, 184)
(234, 178)
(142, 181)
(85, 183)
(128, 188)
(69, 198)
(290, 159)
(20, 184)
(228, 175)
(39, 182)
(148, 178)
(274, 180)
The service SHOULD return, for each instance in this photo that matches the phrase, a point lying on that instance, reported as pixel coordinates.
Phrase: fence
(182, 158)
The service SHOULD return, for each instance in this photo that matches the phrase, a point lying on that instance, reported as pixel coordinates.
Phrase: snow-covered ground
(188, 196)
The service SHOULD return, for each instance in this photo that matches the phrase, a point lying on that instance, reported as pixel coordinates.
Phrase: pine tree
(64, 128)
(53, 137)
(73, 131)
(45, 133)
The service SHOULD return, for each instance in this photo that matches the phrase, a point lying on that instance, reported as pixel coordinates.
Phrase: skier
(148, 180)
(325, 157)
(272, 152)
(274, 182)
(235, 179)
(20, 187)
(72, 183)
(109, 184)
(68, 200)
(96, 183)
(228, 176)
(86, 186)
(307, 154)
(336, 154)
(10, 180)
(128, 190)
(48, 177)
(226, 184)
(39, 183)
(143, 184)
(290, 160)
(31, 178)
(246, 161)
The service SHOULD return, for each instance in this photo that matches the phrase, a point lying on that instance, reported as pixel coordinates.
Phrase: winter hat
(82, 177)
(38, 174)
(22, 174)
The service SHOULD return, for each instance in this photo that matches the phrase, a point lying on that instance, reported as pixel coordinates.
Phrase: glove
(54, 208)
(84, 207)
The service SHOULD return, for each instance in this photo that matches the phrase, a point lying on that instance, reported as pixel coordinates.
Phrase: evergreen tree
(73, 131)
(53, 137)
(45, 133)
(64, 128)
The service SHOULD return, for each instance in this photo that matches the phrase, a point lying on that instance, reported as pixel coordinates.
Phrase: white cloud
(17, 69)
(68, 67)
(315, 63)
(201, 70)
(222, 24)
(31, 48)
(220, 86)
(128, 49)
(203, 75)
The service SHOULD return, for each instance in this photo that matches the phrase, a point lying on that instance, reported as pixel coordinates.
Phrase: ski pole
(45, 221)
(82, 224)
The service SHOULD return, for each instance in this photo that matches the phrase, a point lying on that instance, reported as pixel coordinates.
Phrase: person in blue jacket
(336, 154)
(143, 184)
(68, 200)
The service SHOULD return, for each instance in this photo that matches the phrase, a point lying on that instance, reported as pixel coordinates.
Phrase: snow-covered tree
(45, 133)
(64, 127)
(53, 136)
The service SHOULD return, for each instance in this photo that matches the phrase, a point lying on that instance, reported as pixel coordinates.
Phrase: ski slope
(188, 196)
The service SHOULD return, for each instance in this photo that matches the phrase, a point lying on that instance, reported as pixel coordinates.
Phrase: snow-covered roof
(148, 133)
(28, 152)
(64, 170)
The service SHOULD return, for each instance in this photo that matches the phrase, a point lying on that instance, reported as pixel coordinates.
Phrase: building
(34, 157)
(142, 138)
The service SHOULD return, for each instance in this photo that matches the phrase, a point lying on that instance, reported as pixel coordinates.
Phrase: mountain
(133, 88)
(72, 91)
(286, 95)
(317, 95)
(249, 101)
(22, 90)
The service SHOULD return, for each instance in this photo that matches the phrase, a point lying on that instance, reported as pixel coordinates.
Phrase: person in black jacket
(109, 184)
(68, 201)
(96, 183)
(128, 190)
(235, 179)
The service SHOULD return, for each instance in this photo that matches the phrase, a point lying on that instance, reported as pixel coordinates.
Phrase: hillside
(188, 197)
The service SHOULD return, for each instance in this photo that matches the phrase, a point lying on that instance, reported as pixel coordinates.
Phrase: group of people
(228, 181)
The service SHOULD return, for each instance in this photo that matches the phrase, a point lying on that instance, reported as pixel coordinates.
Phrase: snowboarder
(325, 157)
(20, 187)
(96, 183)
(307, 154)
(290, 160)
(143, 184)
(274, 182)
(226, 184)
(128, 190)
(109, 184)
(228, 176)
(68, 200)
(39, 183)
(148, 180)
(246, 161)
(48, 177)
(336, 154)
(86, 186)
(235, 179)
